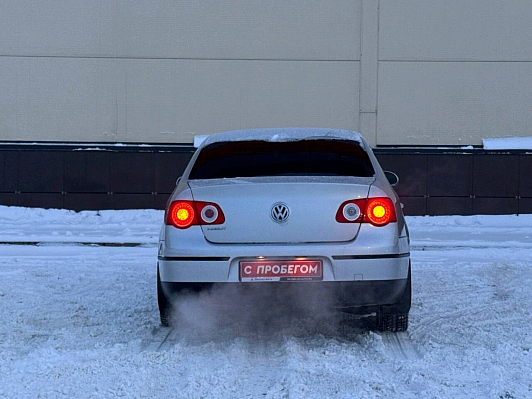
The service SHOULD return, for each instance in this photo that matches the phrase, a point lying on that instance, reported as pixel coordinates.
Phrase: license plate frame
(280, 270)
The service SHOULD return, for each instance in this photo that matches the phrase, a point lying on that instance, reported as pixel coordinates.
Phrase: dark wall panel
(449, 206)
(129, 178)
(525, 176)
(132, 172)
(9, 175)
(414, 206)
(132, 201)
(89, 202)
(9, 199)
(40, 200)
(412, 172)
(449, 175)
(86, 172)
(41, 171)
(496, 175)
(160, 201)
(79, 202)
(168, 167)
(495, 206)
(525, 205)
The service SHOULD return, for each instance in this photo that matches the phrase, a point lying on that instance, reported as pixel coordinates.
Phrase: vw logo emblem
(280, 212)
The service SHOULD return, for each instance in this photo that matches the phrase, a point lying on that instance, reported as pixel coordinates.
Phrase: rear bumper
(355, 296)
(336, 268)
(369, 271)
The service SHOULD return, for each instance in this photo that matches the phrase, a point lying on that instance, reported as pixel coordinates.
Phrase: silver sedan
(294, 210)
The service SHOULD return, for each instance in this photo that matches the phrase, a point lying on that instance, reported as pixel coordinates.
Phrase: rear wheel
(392, 322)
(165, 307)
(394, 318)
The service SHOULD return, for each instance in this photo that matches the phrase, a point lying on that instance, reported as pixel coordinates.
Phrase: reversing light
(380, 211)
(351, 211)
(209, 214)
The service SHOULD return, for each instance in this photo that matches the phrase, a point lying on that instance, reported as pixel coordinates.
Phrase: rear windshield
(294, 158)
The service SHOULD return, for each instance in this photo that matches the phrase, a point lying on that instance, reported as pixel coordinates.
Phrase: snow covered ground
(80, 320)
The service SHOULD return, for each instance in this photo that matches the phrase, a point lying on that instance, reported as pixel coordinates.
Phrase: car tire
(165, 307)
(395, 318)
(392, 322)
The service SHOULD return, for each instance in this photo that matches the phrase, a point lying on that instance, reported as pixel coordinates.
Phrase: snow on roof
(508, 143)
(283, 134)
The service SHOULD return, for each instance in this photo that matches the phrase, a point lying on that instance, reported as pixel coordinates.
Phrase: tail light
(351, 211)
(378, 211)
(183, 214)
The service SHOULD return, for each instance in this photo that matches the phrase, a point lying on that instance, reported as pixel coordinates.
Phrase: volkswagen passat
(293, 210)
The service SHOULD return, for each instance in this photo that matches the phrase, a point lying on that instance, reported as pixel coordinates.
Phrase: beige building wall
(410, 72)
(454, 72)
(162, 71)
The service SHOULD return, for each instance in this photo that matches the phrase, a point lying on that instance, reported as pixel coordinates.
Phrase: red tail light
(380, 211)
(183, 214)
(377, 211)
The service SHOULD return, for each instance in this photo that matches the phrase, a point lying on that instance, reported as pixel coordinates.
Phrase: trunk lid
(311, 205)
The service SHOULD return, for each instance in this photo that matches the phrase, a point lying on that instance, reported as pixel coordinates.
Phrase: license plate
(281, 270)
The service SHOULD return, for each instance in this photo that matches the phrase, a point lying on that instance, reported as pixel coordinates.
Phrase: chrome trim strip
(385, 256)
(195, 258)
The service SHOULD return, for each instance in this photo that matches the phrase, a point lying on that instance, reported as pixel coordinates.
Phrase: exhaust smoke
(226, 311)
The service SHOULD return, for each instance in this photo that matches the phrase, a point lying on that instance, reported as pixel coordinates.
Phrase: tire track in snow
(454, 246)
(400, 346)
(456, 290)
(158, 339)
(500, 320)
(258, 362)
(427, 326)
(169, 340)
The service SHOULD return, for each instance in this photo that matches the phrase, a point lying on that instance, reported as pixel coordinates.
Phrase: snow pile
(508, 143)
(62, 226)
(81, 321)
(200, 138)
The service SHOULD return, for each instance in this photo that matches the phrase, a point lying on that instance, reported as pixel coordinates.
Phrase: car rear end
(309, 212)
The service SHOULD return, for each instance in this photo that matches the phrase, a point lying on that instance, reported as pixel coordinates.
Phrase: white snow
(508, 143)
(200, 138)
(60, 226)
(282, 134)
(81, 321)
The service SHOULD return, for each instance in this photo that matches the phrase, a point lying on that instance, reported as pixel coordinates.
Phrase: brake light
(378, 211)
(183, 214)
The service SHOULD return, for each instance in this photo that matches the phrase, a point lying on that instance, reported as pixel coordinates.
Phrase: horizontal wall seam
(105, 57)
(463, 61)
(89, 192)
(461, 196)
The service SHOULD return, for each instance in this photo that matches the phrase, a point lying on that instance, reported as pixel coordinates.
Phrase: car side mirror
(393, 179)
(178, 180)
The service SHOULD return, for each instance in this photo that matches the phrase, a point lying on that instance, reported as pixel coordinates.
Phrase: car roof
(283, 135)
